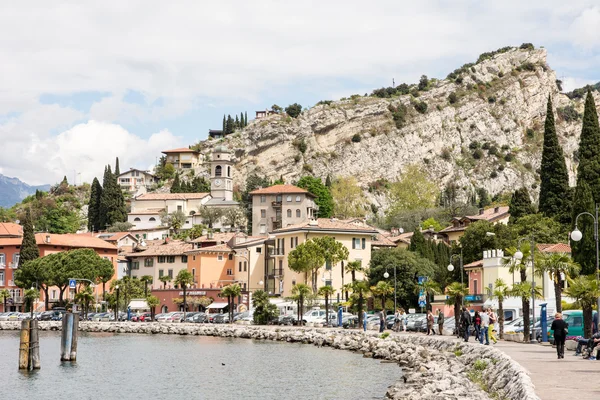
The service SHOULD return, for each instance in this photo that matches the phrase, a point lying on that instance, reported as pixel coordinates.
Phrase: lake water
(111, 366)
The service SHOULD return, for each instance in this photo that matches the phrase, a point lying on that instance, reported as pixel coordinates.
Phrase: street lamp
(117, 305)
(451, 268)
(519, 256)
(386, 275)
(576, 235)
(185, 286)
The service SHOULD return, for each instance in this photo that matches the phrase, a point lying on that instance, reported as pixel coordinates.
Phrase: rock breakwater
(432, 368)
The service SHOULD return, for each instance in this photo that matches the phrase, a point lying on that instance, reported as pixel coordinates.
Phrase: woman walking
(560, 329)
(430, 323)
(493, 320)
(477, 323)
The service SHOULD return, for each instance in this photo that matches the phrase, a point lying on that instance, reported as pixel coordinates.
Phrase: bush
(293, 110)
(446, 154)
(478, 154)
(300, 144)
(491, 99)
(452, 98)
(494, 174)
(356, 138)
(421, 107)
(307, 168)
(568, 113)
(474, 145)
(324, 102)
(493, 151)
(485, 146)
(530, 133)
(398, 114)
(459, 80)
(500, 167)
(297, 157)
(423, 82)
(528, 66)
(528, 166)
(527, 46)
(505, 147)
(472, 126)
(509, 157)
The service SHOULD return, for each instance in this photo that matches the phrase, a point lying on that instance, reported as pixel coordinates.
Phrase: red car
(145, 317)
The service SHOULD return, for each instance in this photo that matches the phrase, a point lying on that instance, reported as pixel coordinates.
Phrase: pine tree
(237, 122)
(246, 118)
(554, 189)
(520, 205)
(224, 123)
(417, 242)
(65, 181)
(94, 206)
(176, 186)
(29, 249)
(584, 251)
(589, 149)
(229, 125)
(117, 169)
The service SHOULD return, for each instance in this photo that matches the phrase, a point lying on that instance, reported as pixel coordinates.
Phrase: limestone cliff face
(501, 102)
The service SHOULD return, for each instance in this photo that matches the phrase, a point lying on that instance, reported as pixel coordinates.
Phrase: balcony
(276, 252)
(275, 272)
(276, 204)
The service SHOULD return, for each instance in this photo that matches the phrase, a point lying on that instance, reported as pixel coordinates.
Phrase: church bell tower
(221, 174)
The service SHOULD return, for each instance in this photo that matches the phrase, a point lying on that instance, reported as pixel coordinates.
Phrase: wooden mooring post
(29, 347)
(68, 342)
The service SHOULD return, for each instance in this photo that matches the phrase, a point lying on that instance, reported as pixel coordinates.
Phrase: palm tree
(146, 279)
(326, 291)
(152, 302)
(164, 279)
(353, 267)
(520, 266)
(184, 279)
(430, 288)
(300, 291)
(501, 291)
(360, 289)
(85, 297)
(585, 290)
(4, 295)
(524, 290)
(231, 292)
(456, 292)
(382, 289)
(557, 265)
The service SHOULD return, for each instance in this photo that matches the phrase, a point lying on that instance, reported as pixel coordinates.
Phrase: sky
(84, 82)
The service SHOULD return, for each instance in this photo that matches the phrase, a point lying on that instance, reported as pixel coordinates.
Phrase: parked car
(313, 315)
(411, 320)
(574, 320)
(350, 322)
(211, 317)
(145, 317)
(199, 318)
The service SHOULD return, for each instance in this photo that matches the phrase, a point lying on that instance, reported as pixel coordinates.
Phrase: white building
(135, 179)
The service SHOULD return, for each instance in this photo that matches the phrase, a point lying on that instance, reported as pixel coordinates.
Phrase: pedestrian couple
(483, 324)
(431, 321)
(400, 320)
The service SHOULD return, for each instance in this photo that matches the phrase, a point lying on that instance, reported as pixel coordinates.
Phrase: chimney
(47, 238)
(313, 222)
(481, 210)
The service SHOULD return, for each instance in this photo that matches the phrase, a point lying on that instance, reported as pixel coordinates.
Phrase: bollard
(34, 346)
(24, 345)
(67, 336)
(75, 328)
(544, 322)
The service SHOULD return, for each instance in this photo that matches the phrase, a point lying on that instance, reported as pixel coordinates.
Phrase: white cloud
(570, 83)
(86, 148)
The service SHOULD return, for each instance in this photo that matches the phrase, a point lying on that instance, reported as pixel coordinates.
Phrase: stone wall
(433, 368)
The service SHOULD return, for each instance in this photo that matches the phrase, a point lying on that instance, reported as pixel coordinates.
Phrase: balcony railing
(276, 204)
(276, 252)
(275, 272)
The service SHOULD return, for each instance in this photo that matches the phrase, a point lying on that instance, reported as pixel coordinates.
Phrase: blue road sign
(72, 283)
(422, 300)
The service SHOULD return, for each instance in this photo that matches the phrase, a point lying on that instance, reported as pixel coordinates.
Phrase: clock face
(217, 182)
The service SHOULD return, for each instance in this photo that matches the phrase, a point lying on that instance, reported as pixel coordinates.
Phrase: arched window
(218, 170)
(298, 213)
(229, 171)
(289, 213)
(137, 219)
(152, 219)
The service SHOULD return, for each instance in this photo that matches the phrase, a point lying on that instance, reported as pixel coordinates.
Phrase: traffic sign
(72, 283)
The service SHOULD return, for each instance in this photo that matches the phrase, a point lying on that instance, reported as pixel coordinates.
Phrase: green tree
(200, 185)
(383, 289)
(353, 267)
(360, 290)
(307, 258)
(165, 279)
(430, 288)
(36, 272)
(210, 215)
(117, 169)
(584, 251)
(588, 170)
(112, 202)
(224, 123)
(129, 288)
(176, 186)
(456, 292)
(231, 292)
(146, 279)
(30, 296)
(524, 291)
(500, 292)
(417, 242)
(483, 198)
(332, 252)
(120, 227)
(4, 296)
(415, 190)
(300, 292)
(94, 206)
(84, 298)
(293, 110)
(431, 223)
(423, 82)
(264, 310)
(557, 265)
(475, 239)
(349, 200)
(554, 199)
(546, 230)
(324, 200)
(29, 249)
(152, 302)
(585, 290)
(174, 220)
(105, 273)
(520, 204)
(235, 217)
(326, 291)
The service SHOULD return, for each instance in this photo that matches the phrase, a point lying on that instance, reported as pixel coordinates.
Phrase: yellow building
(495, 215)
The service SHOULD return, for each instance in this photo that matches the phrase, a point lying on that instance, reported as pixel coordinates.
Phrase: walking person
(430, 323)
(382, 320)
(485, 323)
(466, 322)
(404, 320)
(477, 325)
(560, 329)
(493, 320)
(440, 322)
(397, 320)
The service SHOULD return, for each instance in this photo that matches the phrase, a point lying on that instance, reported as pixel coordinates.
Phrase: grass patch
(384, 335)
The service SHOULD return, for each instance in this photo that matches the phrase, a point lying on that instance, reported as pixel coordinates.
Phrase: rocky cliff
(482, 128)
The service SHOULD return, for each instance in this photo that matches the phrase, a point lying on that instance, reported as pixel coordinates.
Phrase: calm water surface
(131, 366)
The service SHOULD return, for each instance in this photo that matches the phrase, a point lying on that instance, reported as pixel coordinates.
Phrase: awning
(217, 305)
(138, 305)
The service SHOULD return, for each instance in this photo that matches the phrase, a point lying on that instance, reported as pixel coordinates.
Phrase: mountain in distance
(12, 190)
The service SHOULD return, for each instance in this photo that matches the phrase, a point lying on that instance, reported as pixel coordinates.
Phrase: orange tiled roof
(490, 214)
(73, 240)
(172, 248)
(478, 263)
(221, 237)
(281, 189)
(219, 248)
(172, 196)
(554, 248)
(9, 229)
(403, 237)
(180, 150)
(327, 224)
(382, 241)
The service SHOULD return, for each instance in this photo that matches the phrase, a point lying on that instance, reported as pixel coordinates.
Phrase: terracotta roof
(113, 236)
(172, 248)
(171, 196)
(73, 240)
(219, 248)
(403, 237)
(221, 237)
(382, 241)
(180, 150)
(478, 263)
(10, 241)
(327, 224)
(135, 169)
(9, 229)
(147, 211)
(281, 189)
(554, 248)
(490, 214)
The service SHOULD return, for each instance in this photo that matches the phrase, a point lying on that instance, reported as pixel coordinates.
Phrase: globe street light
(451, 268)
(576, 235)
(519, 256)
(117, 305)
(387, 275)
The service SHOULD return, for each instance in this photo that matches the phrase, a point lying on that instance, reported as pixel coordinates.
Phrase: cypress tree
(246, 118)
(554, 189)
(117, 169)
(94, 206)
(417, 242)
(176, 186)
(237, 122)
(589, 149)
(242, 120)
(224, 123)
(29, 249)
(520, 205)
(65, 181)
(584, 251)
(112, 202)
(229, 125)
(104, 203)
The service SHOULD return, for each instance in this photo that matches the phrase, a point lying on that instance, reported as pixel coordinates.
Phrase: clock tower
(221, 174)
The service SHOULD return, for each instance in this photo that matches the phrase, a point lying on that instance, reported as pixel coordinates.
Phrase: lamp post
(186, 286)
(576, 235)
(519, 256)
(117, 305)
(386, 275)
(451, 268)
